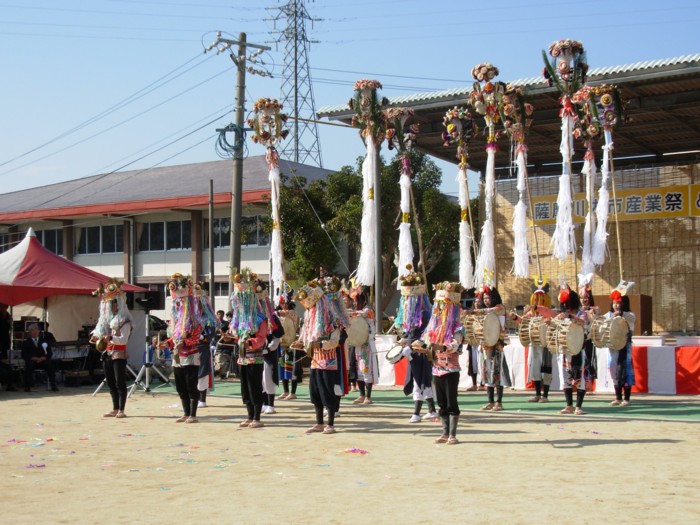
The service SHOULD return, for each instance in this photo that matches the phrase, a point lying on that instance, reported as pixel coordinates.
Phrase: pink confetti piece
(36, 465)
(355, 450)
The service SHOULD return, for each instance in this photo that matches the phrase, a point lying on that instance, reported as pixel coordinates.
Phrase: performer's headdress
(203, 308)
(243, 318)
(332, 288)
(540, 294)
(414, 300)
(621, 290)
(444, 319)
(568, 299)
(110, 292)
(183, 309)
(318, 317)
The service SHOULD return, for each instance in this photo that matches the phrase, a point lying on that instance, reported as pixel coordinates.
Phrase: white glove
(406, 352)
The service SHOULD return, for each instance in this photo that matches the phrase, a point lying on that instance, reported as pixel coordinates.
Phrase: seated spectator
(36, 352)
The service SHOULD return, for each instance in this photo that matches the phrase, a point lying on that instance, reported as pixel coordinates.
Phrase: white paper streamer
(563, 241)
(486, 260)
(466, 268)
(589, 170)
(521, 250)
(365, 268)
(600, 241)
(521, 254)
(277, 270)
(405, 242)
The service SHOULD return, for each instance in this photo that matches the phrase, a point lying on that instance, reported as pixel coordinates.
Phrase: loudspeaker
(151, 300)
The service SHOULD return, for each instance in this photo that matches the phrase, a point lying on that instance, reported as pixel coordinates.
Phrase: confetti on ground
(355, 450)
(361, 484)
(165, 488)
(36, 465)
(323, 465)
(594, 432)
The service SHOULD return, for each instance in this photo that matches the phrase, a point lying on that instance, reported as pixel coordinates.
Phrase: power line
(122, 103)
(95, 135)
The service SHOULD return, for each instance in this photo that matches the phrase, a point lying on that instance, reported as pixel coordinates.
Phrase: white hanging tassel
(521, 250)
(589, 170)
(365, 268)
(600, 241)
(563, 241)
(277, 271)
(405, 243)
(466, 268)
(521, 253)
(486, 260)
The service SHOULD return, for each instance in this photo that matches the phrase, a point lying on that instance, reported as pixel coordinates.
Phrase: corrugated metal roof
(693, 59)
(157, 183)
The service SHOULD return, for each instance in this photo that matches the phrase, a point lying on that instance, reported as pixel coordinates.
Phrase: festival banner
(632, 204)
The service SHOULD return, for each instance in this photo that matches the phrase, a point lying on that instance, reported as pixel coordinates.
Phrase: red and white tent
(29, 271)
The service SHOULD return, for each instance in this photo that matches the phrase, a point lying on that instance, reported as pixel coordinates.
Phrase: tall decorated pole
(606, 102)
(485, 100)
(460, 129)
(516, 115)
(370, 120)
(268, 125)
(401, 135)
(567, 71)
(587, 129)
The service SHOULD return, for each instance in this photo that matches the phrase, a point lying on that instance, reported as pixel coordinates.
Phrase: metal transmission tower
(296, 92)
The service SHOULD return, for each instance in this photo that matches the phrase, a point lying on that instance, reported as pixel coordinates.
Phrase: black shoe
(54, 388)
(27, 389)
(10, 388)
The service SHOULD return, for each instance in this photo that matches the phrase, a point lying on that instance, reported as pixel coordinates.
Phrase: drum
(395, 354)
(358, 331)
(610, 333)
(482, 330)
(290, 332)
(532, 330)
(565, 336)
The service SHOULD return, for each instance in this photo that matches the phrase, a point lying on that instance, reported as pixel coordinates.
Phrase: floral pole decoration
(516, 115)
(370, 120)
(485, 100)
(460, 128)
(268, 124)
(608, 110)
(568, 73)
(401, 134)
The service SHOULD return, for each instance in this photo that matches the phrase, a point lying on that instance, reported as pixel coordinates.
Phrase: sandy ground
(61, 462)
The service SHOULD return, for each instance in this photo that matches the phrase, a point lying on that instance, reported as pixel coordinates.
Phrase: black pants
(115, 374)
(186, 385)
(445, 389)
(322, 389)
(251, 389)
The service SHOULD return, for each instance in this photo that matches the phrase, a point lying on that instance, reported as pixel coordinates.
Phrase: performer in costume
(114, 328)
(249, 326)
(539, 362)
(411, 320)
(620, 360)
(184, 342)
(320, 338)
(271, 363)
(442, 341)
(332, 288)
(366, 363)
(352, 361)
(494, 369)
(210, 322)
(589, 311)
(290, 360)
(575, 367)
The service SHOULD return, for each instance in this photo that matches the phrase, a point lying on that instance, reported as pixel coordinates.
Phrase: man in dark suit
(36, 352)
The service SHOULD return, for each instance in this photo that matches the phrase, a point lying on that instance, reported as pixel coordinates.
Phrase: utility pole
(221, 45)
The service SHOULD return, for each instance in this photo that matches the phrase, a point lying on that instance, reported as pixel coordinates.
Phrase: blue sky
(88, 87)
